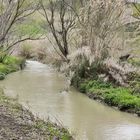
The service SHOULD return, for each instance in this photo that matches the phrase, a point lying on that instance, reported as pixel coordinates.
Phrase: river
(41, 89)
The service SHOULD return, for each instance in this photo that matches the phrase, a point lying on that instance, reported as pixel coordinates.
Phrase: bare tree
(12, 14)
(102, 27)
(101, 37)
(61, 20)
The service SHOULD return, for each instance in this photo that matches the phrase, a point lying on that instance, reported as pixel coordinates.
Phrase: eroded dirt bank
(19, 124)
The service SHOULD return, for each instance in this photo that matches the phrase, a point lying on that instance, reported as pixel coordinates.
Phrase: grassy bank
(10, 64)
(18, 123)
(135, 62)
(122, 98)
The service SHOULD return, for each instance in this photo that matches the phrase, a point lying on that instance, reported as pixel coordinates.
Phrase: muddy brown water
(41, 89)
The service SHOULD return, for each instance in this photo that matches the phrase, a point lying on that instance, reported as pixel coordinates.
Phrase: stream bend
(40, 88)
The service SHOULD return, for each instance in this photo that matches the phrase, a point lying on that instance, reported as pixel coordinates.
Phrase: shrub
(128, 104)
(3, 68)
(2, 76)
(135, 61)
(82, 87)
(26, 51)
(134, 82)
(93, 85)
(11, 60)
(121, 97)
(41, 53)
(10, 64)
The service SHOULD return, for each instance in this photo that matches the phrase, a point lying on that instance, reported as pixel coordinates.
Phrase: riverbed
(44, 92)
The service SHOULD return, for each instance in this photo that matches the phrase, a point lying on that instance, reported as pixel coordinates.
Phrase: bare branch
(65, 18)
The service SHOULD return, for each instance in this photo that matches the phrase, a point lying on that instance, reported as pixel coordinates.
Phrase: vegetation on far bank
(19, 123)
(135, 62)
(124, 98)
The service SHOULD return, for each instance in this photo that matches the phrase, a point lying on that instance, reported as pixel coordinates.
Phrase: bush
(134, 83)
(135, 61)
(41, 53)
(3, 68)
(2, 76)
(6, 69)
(10, 64)
(93, 86)
(123, 99)
(115, 96)
(98, 84)
(26, 51)
(11, 60)
(82, 87)
(129, 104)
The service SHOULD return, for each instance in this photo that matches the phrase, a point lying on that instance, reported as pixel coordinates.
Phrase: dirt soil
(17, 123)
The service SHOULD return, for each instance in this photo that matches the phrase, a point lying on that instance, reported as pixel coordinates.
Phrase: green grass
(53, 130)
(120, 97)
(11, 60)
(10, 64)
(93, 85)
(135, 61)
(6, 69)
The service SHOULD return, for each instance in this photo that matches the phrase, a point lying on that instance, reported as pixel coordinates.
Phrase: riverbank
(18, 123)
(11, 64)
(119, 97)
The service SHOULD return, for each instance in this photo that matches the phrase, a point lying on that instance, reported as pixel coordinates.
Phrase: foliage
(132, 26)
(101, 41)
(135, 61)
(53, 130)
(123, 99)
(41, 54)
(30, 28)
(2, 76)
(108, 70)
(115, 96)
(26, 51)
(134, 83)
(29, 51)
(136, 9)
(93, 85)
(6, 69)
(11, 60)
(3, 69)
(10, 64)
